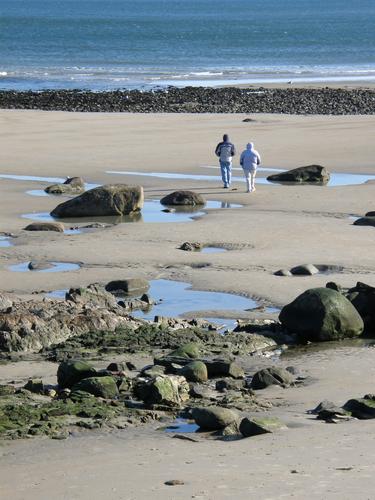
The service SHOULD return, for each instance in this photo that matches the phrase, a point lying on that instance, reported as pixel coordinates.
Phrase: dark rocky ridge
(198, 100)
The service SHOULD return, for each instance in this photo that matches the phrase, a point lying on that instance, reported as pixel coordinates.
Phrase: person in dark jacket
(225, 151)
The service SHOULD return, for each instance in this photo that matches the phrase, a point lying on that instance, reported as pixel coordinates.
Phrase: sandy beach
(275, 227)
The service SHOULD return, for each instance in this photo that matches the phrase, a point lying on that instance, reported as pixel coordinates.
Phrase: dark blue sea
(108, 44)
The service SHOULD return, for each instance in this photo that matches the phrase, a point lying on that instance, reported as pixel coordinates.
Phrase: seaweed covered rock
(362, 408)
(321, 314)
(190, 351)
(315, 174)
(112, 199)
(224, 368)
(100, 387)
(184, 198)
(196, 371)
(164, 390)
(213, 418)
(259, 425)
(71, 372)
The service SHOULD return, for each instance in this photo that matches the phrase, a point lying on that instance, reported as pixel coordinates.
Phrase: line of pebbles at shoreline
(326, 101)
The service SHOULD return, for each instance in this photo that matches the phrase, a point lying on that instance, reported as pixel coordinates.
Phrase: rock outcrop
(314, 174)
(72, 185)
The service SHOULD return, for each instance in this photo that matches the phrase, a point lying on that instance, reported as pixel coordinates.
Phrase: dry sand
(278, 226)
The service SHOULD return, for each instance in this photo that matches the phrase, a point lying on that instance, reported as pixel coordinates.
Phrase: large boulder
(72, 185)
(213, 418)
(183, 198)
(312, 173)
(57, 227)
(224, 368)
(101, 387)
(112, 199)
(271, 376)
(321, 314)
(71, 372)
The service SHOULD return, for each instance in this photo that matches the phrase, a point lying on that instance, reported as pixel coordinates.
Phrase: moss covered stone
(104, 387)
(71, 372)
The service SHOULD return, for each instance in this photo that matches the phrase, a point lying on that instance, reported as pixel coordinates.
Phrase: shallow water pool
(57, 267)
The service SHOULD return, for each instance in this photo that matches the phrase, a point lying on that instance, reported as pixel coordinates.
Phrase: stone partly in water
(191, 247)
(271, 376)
(130, 286)
(184, 198)
(196, 371)
(312, 174)
(72, 185)
(164, 390)
(39, 265)
(112, 199)
(259, 425)
(71, 372)
(57, 227)
(365, 221)
(103, 387)
(304, 270)
(213, 418)
(362, 297)
(321, 314)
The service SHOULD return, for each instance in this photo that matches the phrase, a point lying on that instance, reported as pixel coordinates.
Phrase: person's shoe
(225, 186)
(253, 190)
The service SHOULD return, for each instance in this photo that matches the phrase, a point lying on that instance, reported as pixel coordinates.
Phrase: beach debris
(111, 199)
(321, 314)
(314, 174)
(58, 227)
(184, 198)
(271, 376)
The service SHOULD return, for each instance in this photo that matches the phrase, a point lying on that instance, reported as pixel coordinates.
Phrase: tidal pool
(57, 267)
(5, 242)
(177, 298)
(182, 426)
(213, 250)
(337, 179)
(50, 180)
(152, 211)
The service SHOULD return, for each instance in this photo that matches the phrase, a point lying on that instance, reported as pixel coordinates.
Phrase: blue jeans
(226, 172)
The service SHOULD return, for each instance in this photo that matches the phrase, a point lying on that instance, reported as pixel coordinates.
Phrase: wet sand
(277, 227)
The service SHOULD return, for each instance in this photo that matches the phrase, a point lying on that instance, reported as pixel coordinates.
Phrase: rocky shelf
(198, 100)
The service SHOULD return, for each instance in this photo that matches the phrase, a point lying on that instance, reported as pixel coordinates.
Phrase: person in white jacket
(249, 161)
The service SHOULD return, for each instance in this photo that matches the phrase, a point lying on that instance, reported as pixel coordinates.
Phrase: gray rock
(34, 385)
(271, 376)
(57, 227)
(362, 408)
(112, 199)
(5, 302)
(305, 270)
(191, 247)
(370, 214)
(365, 221)
(190, 350)
(260, 425)
(229, 384)
(130, 286)
(213, 418)
(312, 174)
(91, 294)
(196, 371)
(283, 272)
(71, 372)
(362, 297)
(321, 314)
(183, 198)
(153, 371)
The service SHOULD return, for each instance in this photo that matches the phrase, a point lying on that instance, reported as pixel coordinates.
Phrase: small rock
(57, 227)
(283, 272)
(213, 418)
(255, 426)
(196, 371)
(174, 482)
(271, 376)
(304, 270)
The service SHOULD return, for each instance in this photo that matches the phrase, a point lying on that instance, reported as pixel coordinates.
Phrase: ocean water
(109, 44)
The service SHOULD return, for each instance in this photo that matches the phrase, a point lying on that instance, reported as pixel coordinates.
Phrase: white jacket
(250, 158)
